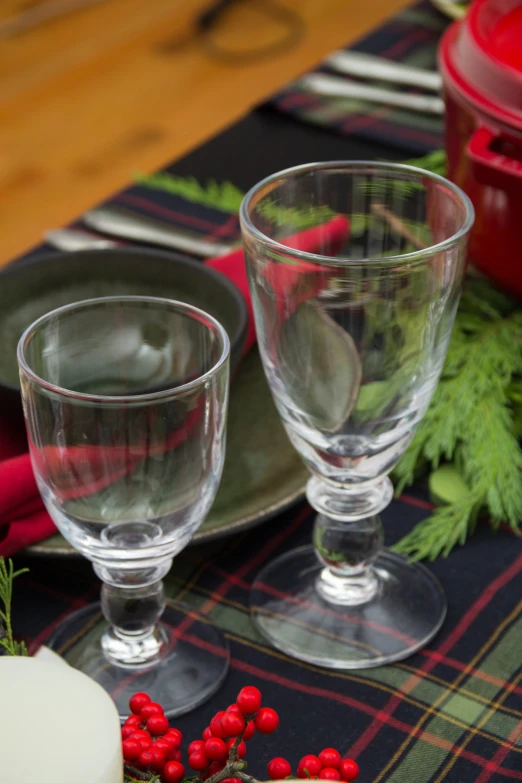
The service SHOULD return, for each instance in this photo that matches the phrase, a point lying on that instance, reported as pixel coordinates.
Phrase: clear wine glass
(353, 340)
(125, 400)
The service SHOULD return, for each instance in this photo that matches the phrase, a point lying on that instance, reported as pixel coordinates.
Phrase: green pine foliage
(7, 577)
(222, 196)
(225, 197)
(472, 421)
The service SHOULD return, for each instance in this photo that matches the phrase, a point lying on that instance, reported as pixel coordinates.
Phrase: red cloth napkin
(23, 518)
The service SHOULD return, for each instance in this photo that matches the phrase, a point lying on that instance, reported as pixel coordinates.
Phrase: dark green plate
(263, 474)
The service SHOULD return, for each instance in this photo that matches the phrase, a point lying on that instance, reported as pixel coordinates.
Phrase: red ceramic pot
(480, 60)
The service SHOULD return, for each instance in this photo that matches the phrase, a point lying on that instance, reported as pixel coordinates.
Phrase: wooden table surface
(98, 93)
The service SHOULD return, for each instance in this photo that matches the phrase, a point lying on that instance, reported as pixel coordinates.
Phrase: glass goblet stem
(134, 635)
(348, 537)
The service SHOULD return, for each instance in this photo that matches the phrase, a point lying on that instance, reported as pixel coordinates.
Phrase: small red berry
(349, 770)
(127, 731)
(330, 758)
(267, 720)
(215, 749)
(279, 768)
(158, 724)
(150, 709)
(176, 735)
(165, 747)
(198, 761)
(232, 724)
(215, 725)
(178, 756)
(196, 747)
(173, 772)
(131, 749)
(143, 737)
(146, 758)
(133, 720)
(249, 700)
(216, 766)
(233, 708)
(231, 780)
(250, 730)
(138, 701)
(329, 773)
(159, 759)
(207, 734)
(309, 766)
(170, 744)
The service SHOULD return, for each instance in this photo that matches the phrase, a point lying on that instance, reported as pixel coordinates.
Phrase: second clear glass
(125, 400)
(353, 339)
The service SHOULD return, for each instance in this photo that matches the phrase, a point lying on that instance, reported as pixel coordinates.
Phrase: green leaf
(447, 485)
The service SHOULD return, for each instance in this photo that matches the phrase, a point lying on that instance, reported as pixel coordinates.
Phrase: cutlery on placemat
(368, 66)
(120, 222)
(335, 86)
(76, 239)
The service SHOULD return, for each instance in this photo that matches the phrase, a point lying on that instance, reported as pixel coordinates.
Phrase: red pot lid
(483, 56)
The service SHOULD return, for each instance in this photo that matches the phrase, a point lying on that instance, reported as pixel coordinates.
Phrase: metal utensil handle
(323, 84)
(368, 66)
(129, 225)
(75, 239)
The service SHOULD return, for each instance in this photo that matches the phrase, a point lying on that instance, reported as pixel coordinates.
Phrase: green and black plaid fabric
(453, 712)
(410, 37)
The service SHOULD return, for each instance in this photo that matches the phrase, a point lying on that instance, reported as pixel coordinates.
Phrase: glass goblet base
(191, 664)
(400, 616)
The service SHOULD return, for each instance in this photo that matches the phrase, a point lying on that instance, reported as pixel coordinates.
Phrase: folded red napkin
(23, 518)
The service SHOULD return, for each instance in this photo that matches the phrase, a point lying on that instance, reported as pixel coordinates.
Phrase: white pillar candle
(56, 725)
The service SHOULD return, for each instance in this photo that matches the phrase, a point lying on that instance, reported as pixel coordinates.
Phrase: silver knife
(73, 239)
(120, 222)
(335, 86)
(367, 66)
(76, 239)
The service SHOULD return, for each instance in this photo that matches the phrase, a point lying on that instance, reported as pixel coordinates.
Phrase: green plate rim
(237, 522)
(201, 537)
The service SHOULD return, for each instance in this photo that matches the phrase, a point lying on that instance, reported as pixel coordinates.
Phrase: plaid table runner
(410, 37)
(453, 711)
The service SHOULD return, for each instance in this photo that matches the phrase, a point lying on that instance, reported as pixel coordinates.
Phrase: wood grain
(125, 85)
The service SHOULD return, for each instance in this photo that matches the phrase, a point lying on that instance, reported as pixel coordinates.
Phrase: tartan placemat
(409, 37)
(452, 712)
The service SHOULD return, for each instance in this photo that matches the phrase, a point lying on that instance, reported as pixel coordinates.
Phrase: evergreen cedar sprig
(152, 749)
(7, 577)
(474, 421)
(226, 197)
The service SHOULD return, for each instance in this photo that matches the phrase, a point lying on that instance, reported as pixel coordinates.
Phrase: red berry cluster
(328, 765)
(224, 740)
(151, 749)
(149, 744)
